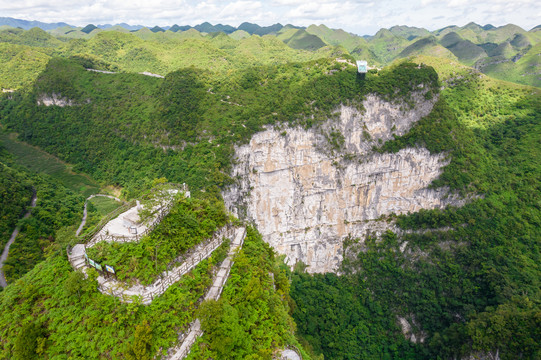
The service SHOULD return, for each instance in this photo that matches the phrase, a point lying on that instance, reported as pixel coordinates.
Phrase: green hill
(239, 35)
(20, 65)
(427, 46)
(165, 51)
(337, 37)
(462, 285)
(300, 39)
(386, 46)
(89, 28)
(466, 51)
(409, 32)
(522, 69)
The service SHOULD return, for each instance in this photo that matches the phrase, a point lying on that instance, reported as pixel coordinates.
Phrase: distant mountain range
(407, 32)
(505, 52)
(205, 27)
(27, 25)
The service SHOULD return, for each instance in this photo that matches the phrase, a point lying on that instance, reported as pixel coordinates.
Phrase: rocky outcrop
(306, 195)
(55, 100)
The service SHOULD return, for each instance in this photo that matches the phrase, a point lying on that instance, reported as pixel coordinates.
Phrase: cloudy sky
(356, 16)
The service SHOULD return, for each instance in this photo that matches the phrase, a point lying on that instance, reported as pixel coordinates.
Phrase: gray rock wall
(306, 199)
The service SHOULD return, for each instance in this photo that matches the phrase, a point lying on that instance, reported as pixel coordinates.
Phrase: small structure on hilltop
(362, 66)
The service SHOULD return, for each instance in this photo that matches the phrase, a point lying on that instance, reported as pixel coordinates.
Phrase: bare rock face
(306, 197)
(54, 100)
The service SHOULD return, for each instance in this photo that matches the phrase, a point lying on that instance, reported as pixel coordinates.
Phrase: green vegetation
(20, 64)
(507, 52)
(189, 222)
(25, 55)
(250, 321)
(70, 311)
(103, 205)
(340, 318)
(56, 207)
(97, 209)
(337, 37)
(69, 321)
(15, 196)
(474, 288)
(39, 161)
(300, 39)
(471, 289)
(138, 124)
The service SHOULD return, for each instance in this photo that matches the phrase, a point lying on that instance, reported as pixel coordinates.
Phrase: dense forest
(57, 207)
(471, 289)
(467, 279)
(16, 195)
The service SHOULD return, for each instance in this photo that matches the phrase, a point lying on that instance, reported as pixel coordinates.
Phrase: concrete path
(167, 278)
(152, 75)
(5, 253)
(183, 349)
(289, 355)
(83, 222)
(146, 294)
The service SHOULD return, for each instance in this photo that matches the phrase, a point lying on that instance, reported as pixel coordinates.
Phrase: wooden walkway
(183, 349)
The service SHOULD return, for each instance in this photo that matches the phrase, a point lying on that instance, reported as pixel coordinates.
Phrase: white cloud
(357, 16)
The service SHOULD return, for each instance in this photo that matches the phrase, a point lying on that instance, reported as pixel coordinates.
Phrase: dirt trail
(83, 221)
(5, 253)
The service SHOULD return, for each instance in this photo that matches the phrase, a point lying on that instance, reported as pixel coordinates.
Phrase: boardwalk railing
(168, 278)
(96, 238)
(113, 214)
(188, 338)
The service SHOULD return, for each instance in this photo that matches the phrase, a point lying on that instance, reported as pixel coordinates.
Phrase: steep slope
(337, 37)
(386, 46)
(290, 181)
(466, 51)
(15, 192)
(20, 65)
(419, 279)
(300, 39)
(427, 46)
(522, 69)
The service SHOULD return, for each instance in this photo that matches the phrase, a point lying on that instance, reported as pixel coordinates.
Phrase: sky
(362, 17)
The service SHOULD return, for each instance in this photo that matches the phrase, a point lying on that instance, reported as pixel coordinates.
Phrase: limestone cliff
(56, 100)
(306, 197)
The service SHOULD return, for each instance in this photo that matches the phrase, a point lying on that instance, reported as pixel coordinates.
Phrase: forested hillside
(16, 194)
(466, 279)
(57, 207)
(507, 52)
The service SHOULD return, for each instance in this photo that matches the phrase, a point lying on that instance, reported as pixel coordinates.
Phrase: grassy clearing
(104, 205)
(39, 161)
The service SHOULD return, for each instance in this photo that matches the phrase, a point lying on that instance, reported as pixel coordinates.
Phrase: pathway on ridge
(5, 253)
(78, 260)
(148, 293)
(183, 349)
